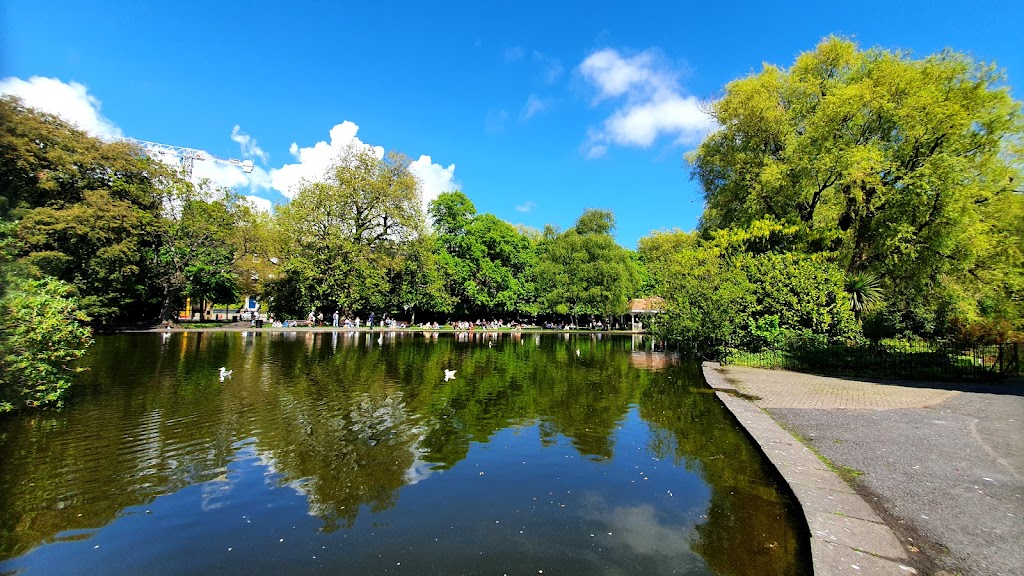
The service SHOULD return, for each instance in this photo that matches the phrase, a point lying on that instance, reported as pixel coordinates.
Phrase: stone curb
(847, 537)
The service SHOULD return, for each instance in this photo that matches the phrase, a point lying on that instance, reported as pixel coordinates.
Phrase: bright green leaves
(486, 263)
(41, 332)
(346, 238)
(749, 286)
(583, 272)
(898, 159)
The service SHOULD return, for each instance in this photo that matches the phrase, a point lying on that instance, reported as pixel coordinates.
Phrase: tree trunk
(167, 309)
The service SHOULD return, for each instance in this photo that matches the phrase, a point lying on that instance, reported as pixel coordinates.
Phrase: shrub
(41, 332)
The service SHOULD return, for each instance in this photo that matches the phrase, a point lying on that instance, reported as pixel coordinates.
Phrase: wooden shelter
(643, 307)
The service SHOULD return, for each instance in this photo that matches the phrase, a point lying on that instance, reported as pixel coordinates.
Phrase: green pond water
(349, 453)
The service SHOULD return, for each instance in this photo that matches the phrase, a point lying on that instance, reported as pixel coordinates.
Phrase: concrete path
(942, 465)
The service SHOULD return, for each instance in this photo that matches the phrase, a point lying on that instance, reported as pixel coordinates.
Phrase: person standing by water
(335, 323)
(369, 322)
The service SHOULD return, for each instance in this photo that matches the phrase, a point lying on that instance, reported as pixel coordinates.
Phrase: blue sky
(536, 110)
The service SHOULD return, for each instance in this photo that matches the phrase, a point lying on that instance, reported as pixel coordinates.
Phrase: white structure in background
(188, 156)
(645, 308)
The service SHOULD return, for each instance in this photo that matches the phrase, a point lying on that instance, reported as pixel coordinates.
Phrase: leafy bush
(986, 331)
(41, 332)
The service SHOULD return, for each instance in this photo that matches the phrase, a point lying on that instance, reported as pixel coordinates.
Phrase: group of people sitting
(317, 319)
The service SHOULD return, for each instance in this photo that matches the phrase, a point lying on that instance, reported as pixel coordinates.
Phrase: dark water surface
(333, 453)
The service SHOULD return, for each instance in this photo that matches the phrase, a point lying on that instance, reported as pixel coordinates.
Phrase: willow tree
(347, 232)
(904, 158)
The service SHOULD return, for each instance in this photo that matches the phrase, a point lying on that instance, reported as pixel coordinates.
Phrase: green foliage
(902, 167)
(41, 332)
(256, 248)
(485, 264)
(864, 290)
(745, 287)
(46, 162)
(982, 332)
(583, 272)
(708, 302)
(196, 255)
(102, 245)
(347, 236)
(419, 284)
(88, 209)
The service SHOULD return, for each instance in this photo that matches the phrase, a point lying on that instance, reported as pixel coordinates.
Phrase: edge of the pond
(238, 327)
(847, 537)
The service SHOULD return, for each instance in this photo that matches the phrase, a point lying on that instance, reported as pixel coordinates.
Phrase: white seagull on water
(449, 375)
(225, 373)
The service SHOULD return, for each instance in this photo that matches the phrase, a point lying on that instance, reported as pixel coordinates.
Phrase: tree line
(854, 196)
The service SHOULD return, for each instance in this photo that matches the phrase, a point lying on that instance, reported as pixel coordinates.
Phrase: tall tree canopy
(87, 210)
(347, 233)
(44, 161)
(583, 272)
(908, 161)
(485, 262)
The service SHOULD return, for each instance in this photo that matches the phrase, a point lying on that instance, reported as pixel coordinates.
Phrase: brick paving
(781, 389)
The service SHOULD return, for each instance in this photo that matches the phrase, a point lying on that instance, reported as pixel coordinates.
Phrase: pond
(349, 453)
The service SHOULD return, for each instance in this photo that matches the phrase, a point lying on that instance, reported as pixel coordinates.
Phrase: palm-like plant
(864, 289)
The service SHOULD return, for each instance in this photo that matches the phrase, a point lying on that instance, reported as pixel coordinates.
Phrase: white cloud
(248, 145)
(534, 105)
(653, 105)
(434, 178)
(525, 207)
(640, 124)
(261, 204)
(70, 101)
(596, 151)
(614, 75)
(314, 161)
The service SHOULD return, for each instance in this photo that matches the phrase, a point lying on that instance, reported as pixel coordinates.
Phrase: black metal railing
(911, 360)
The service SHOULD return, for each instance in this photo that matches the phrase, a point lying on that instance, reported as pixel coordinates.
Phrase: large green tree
(196, 255)
(88, 210)
(42, 330)
(904, 159)
(583, 272)
(257, 248)
(346, 234)
(485, 262)
(44, 161)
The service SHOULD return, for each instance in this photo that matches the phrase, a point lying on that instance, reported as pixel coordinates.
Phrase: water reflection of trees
(351, 421)
(747, 531)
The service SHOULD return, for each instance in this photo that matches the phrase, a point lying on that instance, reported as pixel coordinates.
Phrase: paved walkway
(942, 465)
